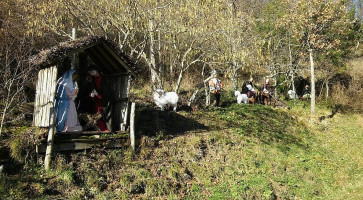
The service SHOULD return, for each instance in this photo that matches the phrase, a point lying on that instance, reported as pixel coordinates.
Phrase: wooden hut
(98, 52)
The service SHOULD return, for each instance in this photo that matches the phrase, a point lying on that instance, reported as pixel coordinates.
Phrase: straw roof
(101, 50)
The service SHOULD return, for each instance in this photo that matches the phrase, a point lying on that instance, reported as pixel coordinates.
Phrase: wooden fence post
(132, 126)
(48, 153)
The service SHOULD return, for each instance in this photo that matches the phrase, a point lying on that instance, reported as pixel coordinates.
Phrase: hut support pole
(132, 126)
(48, 153)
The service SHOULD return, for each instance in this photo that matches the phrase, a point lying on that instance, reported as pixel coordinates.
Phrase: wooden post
(48, 153)
(132, 126)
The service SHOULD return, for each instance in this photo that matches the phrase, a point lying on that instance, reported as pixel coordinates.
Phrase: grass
(234, 152)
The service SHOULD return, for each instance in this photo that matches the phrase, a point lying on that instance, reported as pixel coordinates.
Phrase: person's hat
(267, 80)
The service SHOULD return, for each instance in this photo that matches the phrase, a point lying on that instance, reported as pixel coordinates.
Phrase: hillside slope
(236, 152)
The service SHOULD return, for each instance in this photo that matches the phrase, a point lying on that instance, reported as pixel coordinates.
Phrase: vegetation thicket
(236, 152)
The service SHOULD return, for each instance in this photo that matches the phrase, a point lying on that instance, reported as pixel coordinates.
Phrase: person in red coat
(97, 95)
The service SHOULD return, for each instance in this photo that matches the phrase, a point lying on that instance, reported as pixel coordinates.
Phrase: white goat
(292, 94)
(162, 99)
(240, 97)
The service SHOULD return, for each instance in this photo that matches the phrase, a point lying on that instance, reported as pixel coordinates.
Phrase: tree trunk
(180, 78)
(155, 76)
(205, 82)
(234, 76)
(74, 56)
(207, 95)
(275, 83)
(183, 68)
(312, 85)
(292, 70)
(160, 66)
(2, 119)
(327, 90)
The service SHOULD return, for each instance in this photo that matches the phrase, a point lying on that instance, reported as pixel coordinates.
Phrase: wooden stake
(132, 126)
(51, 114)
(48, 153)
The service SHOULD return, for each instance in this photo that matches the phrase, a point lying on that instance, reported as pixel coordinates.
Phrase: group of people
(66, 93)
(216, 85)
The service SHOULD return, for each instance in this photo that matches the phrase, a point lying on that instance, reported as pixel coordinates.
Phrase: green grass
(234, 152)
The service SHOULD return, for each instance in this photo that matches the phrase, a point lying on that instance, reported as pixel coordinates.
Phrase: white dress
(72, 123)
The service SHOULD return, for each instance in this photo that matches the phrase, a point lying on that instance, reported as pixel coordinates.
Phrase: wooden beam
(117, 74)
(108, 57)
(90, 133)
(75, 146)
(95, 58)
(117, 57)
(90, 140)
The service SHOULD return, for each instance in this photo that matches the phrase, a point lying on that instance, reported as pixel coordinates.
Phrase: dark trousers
(216, 97)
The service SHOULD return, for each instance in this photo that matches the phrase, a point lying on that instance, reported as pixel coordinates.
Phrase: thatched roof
(101, 50)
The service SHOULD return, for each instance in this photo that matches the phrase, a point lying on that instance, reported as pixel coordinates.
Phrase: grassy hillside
(235, 152)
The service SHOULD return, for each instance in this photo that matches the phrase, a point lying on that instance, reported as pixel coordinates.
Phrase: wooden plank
(36, 103)
(123, 87)
(43, 96)
(90, 140)
(124, 114)
(91, 133)
(39, 99)
(47, 89)
(117, 115)
(50, 92)
(76, 146)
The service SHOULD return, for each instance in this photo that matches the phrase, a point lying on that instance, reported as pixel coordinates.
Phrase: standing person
(266, 86)
(66, 93)
(99, 98)
(266, 93)
(215, 86)
(306, 94)
(247, 88)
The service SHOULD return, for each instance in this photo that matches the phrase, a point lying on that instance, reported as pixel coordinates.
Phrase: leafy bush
(22, 143)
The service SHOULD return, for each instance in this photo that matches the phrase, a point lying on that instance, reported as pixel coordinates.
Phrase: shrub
(350, 97)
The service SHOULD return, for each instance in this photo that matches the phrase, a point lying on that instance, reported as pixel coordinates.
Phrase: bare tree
(16, 74)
